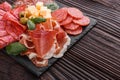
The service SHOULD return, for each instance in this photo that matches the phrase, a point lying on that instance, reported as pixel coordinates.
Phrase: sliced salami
(5, 6)
(2, 44)
(60, 14)
(74, 32)
(2, 12)
(74, 12)
(3, 33)
(66, 21)
(83, 21)
(71, 26)
(2, 25)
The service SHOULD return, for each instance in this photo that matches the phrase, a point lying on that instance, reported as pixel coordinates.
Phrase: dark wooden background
(95, 57)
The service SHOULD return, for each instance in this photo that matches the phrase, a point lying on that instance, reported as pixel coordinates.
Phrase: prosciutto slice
(62, 42)
(43, 41)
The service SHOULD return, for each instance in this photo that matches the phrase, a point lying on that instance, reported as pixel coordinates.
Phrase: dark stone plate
(38, 71)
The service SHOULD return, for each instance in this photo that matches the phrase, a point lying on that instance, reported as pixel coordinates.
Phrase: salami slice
(60, 14)
(8, 39)
(2, 44)
(16, 11)
(0, 18)
(2, 12)
(83, 22)
(9, 30)
(2, 25)
(8, 16)
(71, 26)
(5, 6)
(66, 21)
(3, 33)
(74, 12)
(74, 32)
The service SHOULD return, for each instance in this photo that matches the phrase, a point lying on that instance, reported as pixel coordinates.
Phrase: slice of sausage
(3, 33)
(71, 26)
(75, 13)
(66, 21)
(74, 32)
(60, 14)
(82, 22)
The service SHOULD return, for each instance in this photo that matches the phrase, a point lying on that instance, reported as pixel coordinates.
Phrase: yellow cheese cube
(43, 11)
(39, 5)
(47, 16)
(31, 9)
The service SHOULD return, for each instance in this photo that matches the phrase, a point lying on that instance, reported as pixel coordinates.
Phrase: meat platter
(38, 33)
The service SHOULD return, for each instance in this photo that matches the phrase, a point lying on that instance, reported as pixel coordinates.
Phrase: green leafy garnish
(15, 48)
(38, 20)
(52, 6)
(31, 25)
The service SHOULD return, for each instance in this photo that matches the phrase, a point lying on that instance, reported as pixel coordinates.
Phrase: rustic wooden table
(96, 56)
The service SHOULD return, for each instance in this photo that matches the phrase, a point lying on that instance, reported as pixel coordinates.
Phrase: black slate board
(38, 71)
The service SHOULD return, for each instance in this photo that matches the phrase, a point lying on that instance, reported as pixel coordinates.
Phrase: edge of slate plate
(39, 71)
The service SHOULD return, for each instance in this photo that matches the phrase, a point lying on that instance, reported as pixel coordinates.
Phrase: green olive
(21, 14)
(23, 20)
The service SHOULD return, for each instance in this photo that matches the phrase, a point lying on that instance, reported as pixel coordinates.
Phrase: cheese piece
(48, 14)
(43, 11)
(39, 5)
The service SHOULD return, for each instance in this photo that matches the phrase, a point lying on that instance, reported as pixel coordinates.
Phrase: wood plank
(115, 4)
(97, 55)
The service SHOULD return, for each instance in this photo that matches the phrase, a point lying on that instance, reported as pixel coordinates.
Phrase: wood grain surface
(95, 57)
(115, 4)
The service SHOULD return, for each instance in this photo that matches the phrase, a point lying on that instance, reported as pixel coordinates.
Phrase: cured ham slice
(47, 25)
(26, 40)
(5, 6)
(43, 41)
(62, 43)
(40, 63)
